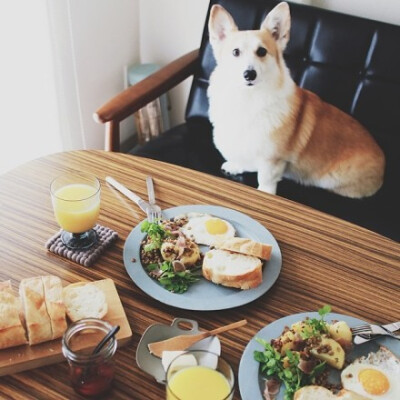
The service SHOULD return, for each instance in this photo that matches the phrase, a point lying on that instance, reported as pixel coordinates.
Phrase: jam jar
(91, 374)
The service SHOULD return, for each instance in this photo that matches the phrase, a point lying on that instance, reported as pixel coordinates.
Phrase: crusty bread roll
(84, 300)
(37, 319)
(232, 269)
(54, 305)
(12, 333)
(247, 246)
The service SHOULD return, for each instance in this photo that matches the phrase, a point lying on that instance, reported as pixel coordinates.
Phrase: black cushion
(348, 61)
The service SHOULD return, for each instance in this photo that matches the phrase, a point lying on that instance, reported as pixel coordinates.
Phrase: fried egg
(376, 376)
(207, 229)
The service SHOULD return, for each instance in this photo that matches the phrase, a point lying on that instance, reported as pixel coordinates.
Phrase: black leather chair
(351, 62)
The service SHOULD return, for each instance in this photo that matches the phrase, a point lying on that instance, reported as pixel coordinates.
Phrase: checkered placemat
(87, 257)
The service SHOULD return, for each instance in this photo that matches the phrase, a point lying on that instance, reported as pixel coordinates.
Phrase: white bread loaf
(12, 332)
(246, 246)
(232, 269)
(37, 319)
(84, 300)
(54, 304)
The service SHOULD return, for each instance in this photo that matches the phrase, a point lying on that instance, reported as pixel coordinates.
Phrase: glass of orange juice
(76, 205)
(199, 375)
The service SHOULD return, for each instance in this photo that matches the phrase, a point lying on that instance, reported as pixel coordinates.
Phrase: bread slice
(247, 246)
(84, 300)
(54, 305)
(12, 332)
(314, 392)
(37, 319)
(232, 269)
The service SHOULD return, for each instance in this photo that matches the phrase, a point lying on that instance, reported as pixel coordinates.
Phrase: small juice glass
(76, 205)
(199, 375)
(90, 374)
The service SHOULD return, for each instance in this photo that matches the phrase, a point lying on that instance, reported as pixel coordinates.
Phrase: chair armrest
(142, 93)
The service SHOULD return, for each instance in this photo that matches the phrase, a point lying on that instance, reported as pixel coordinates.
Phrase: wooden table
(325, 260)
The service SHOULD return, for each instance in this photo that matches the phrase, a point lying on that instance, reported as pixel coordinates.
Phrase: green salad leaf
(156, 233)
(176, 282)
(316, 326)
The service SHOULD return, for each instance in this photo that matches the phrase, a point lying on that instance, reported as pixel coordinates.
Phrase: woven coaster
(106, 237)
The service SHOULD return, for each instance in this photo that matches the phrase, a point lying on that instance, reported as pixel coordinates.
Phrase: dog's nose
(250, 75)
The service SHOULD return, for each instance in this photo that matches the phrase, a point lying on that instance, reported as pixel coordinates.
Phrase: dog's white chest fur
(243, 120)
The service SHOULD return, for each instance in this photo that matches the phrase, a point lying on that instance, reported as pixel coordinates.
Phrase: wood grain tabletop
(324, 260)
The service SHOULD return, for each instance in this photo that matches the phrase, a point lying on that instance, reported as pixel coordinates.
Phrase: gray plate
(251, 383)
(204, 295)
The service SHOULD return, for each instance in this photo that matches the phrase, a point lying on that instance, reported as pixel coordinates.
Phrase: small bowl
(156, 332)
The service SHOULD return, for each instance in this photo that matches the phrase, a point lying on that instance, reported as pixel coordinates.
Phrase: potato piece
(191, 259)
(168, 251)
(300, 327)
(340, 330)
(330, 351)
(287, 340)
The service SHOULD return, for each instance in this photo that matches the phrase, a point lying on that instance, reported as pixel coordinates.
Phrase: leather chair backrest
(351, 62)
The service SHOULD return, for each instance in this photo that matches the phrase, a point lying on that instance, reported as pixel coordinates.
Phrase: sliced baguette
(232, 269)
(247, 247)
(37, 319)
(54, 305)
(12, 332)
(84, 300)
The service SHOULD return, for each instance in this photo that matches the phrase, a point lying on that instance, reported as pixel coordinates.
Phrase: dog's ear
(278, 23)
(220, 25)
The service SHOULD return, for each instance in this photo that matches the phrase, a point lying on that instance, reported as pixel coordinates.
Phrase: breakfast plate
(205, 295)
(251, 382)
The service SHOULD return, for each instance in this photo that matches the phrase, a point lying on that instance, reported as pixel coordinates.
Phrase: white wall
(170, 28)
(383, 10)
(29, 124)
(95, 40)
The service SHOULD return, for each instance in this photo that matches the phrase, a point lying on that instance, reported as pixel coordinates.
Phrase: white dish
(204, 295)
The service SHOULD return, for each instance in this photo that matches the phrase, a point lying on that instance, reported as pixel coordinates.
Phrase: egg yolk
(215, 226)
(373, 381)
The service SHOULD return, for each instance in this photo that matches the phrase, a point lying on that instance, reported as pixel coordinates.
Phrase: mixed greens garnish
(174, 281)
(156, 233)
(316, 326)
(172, 275)
(287, 367)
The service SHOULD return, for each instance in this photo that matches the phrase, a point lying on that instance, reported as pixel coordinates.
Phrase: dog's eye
(236, 52)
(261, 52)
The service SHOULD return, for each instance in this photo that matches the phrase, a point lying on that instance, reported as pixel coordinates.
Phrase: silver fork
(153, 211)
(367, 332)
(373, 329)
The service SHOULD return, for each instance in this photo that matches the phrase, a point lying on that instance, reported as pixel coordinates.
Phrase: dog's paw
(271, 189)
(230, 167)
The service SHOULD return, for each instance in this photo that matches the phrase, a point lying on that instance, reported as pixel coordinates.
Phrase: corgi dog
(264, 123)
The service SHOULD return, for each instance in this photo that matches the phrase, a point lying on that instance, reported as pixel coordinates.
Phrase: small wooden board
(22, 358)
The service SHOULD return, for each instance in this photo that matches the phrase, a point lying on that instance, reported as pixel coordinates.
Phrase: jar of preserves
(91, 374)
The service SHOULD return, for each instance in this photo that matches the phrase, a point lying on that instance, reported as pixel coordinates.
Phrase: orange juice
(76, 207)
(198, 383)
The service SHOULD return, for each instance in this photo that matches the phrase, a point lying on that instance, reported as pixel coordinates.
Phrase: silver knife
(144, 205)
(393, 327)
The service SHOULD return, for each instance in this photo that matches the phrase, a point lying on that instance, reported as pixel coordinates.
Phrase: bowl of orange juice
(76, 204)
(199, 375)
